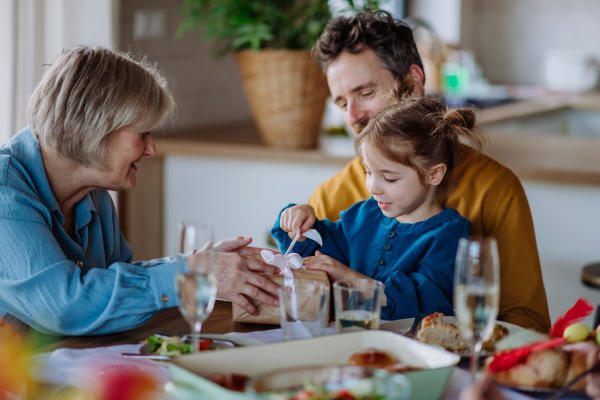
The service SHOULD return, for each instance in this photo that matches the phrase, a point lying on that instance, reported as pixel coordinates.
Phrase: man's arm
(522, 294)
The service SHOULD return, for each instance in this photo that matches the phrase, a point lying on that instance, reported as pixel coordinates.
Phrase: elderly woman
(65, 267)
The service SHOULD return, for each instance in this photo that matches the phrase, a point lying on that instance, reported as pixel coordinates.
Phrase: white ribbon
(287, 263)
(292, 261)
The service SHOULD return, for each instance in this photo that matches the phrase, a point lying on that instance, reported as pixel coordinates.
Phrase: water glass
(304, 310)
(476, 293)
(195, 280)
(357, 304)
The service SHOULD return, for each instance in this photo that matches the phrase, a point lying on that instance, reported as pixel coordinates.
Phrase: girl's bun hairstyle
(421, 132)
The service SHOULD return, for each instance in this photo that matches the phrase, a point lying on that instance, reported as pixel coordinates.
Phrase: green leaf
(155, 342)
(255, 24)
(186, 348)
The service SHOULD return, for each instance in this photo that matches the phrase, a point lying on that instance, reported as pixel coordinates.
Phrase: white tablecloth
(78, 367)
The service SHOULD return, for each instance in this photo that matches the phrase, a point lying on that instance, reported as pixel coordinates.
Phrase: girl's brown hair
(421, 132)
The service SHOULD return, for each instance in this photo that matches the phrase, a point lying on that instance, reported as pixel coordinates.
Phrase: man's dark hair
(391, 39)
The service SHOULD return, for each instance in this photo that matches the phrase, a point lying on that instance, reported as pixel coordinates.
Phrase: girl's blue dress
(414, 261)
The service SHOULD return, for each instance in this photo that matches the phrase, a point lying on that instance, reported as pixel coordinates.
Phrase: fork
(565, 389)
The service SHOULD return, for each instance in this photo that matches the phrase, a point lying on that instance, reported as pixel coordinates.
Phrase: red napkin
(577, 313)
(508, 359)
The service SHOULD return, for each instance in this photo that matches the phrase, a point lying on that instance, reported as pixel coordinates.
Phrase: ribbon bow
(292, 261)
(285, 264)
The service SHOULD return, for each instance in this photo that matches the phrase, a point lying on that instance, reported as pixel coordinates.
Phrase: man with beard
(365, 57)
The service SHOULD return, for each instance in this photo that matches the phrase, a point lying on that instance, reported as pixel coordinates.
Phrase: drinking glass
(476, 293)
(304, 310)
(195, 280)
(357, 304)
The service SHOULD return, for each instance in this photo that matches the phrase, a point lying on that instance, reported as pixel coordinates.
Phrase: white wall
(44, 28)
(7, 70)
(567, 226)
(510, 37)
(443, 15)
(240, 197)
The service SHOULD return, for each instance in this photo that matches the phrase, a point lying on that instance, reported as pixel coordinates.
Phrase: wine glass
(476, 293)
(195, 280)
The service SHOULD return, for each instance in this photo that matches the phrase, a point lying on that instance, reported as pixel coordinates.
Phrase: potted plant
(286, 90)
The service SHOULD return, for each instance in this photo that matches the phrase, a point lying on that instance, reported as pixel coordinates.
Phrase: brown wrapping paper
(270, 315)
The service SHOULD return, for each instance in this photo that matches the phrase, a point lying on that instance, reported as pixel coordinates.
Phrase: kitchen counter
(532, 157)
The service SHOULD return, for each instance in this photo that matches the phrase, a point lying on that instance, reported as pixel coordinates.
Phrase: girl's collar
(440, 218)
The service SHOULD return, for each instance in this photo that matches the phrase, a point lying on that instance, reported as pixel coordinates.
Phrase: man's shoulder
(485, 167)
(484, 174)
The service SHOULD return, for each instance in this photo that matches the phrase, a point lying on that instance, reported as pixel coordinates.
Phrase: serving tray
(428, 384)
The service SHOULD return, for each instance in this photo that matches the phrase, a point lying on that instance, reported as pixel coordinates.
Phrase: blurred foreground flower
(14, 365)
(126, 382)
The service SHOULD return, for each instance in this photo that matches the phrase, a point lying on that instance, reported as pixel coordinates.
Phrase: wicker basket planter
(286, 91)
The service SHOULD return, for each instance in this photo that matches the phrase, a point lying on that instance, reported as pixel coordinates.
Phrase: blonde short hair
(90, 92)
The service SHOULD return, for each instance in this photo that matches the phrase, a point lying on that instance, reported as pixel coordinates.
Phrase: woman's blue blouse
(414, 261)
(61, 286)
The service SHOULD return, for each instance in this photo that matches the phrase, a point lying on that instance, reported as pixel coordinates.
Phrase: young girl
(402, 236)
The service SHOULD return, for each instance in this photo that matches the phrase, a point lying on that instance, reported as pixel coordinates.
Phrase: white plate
(239, 340)
(146, 350)
(335, 349)
(402, 326)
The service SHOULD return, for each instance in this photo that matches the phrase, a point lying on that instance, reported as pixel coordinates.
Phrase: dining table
(170, 322)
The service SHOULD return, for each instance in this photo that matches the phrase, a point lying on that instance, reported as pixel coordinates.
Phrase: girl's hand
(335, 269)
(301, 217)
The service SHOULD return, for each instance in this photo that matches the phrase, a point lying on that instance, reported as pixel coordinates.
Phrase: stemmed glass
(195, 280)
(476, 293)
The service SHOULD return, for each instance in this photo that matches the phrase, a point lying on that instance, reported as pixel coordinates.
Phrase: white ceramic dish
(427, 384)
(402, 326)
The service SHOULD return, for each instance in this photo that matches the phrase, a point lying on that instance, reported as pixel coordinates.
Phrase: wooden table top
(169, 321)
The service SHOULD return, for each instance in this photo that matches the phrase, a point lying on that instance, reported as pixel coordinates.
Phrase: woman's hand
(335, 269)
(238, 278)
(238, 245)
(301, 217)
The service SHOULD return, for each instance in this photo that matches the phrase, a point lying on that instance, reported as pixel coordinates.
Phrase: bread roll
(577, 364)
(441, 334)
(544, 369)
(373, 358)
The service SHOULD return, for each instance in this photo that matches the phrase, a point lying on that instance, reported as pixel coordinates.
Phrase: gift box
(270, 315)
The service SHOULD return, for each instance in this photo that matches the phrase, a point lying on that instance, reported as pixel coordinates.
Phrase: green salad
(168, 346)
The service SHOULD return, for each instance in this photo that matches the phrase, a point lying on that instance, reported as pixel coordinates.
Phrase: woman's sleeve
(335, 244)
(430, 287)
(47, 291)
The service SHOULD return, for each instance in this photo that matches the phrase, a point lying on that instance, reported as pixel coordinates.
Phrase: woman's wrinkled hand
(301, 217)
(335, 269)
(592, 352)
(238, 245)
(238, 279)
